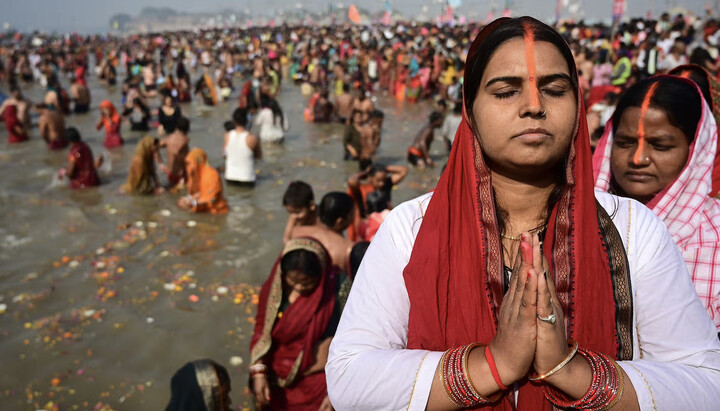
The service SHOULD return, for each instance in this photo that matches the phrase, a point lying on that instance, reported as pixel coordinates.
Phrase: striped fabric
(690, 214)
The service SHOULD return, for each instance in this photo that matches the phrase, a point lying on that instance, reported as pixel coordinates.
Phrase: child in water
(299, 201)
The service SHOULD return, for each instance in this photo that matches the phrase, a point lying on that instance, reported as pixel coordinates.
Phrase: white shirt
(270, 130)
(239, 158)
(676, 364)
(450, 126)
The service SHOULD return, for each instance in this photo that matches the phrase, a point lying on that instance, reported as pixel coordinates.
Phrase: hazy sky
(93, 15)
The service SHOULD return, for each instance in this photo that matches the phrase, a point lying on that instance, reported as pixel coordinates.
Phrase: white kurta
(676, 364)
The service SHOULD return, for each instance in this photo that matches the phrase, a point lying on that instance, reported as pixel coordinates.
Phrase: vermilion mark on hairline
(530, 62)
(685, 74)
(641, 123)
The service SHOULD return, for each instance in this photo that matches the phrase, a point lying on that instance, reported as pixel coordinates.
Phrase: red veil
(455, 274)
(286, 342)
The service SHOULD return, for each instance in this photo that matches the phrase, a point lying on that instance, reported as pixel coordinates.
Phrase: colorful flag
(353, 14)
(618, 9)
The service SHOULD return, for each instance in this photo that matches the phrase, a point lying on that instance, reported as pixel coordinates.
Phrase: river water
(107, 295)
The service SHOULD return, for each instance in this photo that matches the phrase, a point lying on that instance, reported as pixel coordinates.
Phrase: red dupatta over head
(455, 274)
(285, 343)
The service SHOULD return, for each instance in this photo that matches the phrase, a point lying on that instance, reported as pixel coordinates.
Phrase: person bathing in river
(205, 190)
(80, 95)
(299, 309)
(142, 178)
(111, 120)
(81, 169)
(299, 202)
(176, 146)
(419, 152)
(335, 215)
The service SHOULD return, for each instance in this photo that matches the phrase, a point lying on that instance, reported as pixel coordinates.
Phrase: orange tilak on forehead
(641, 123)
(530, 62)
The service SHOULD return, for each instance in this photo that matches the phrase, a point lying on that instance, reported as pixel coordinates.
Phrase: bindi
(641, 123)
(530, 62)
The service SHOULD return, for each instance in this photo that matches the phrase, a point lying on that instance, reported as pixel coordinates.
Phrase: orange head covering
(204, 183)
(455, 294)
(113, 117)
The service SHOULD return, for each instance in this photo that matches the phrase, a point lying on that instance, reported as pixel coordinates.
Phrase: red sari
(11, 123)
(84, 173)
(112, 125)
(285, 341)
(455, 294)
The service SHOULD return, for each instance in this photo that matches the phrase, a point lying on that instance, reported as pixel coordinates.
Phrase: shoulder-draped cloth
(197, 386)
(286, 343)
(84, 172)
(686, 206)
(454, 278)
(204, 181)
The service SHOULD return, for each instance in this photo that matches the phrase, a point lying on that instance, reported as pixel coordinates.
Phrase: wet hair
(377, 114)
(435, 116)
(335, 205)
(298, 194)
(229, 126)
(356, 256)
(277, 112)
(377, 168)
(669, 91)
(72, 135)
(376, 202)
(240, 116)
(698, 75)
(183, 125)
(304, 261)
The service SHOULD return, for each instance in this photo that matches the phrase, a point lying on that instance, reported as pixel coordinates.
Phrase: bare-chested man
(149, 80)
(176, 145)
(52, 127)
(370, 138)
(336, 214)
(419, 152)
(80, 95)
(363, 104)
(344, 105)
(52, 119)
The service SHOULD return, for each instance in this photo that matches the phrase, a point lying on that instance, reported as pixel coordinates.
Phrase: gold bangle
(621, 385)
(559, 366)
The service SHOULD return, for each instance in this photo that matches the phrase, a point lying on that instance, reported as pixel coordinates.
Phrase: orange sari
(204, 184)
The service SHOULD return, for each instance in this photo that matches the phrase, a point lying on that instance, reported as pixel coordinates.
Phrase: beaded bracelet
(605, 390)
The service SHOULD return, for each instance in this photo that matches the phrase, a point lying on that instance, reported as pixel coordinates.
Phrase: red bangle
(493, 368)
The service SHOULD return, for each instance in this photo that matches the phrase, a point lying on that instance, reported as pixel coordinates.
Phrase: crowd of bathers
(340, 70)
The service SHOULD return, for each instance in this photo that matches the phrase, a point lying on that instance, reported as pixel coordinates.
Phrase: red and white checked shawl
(690, 214)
